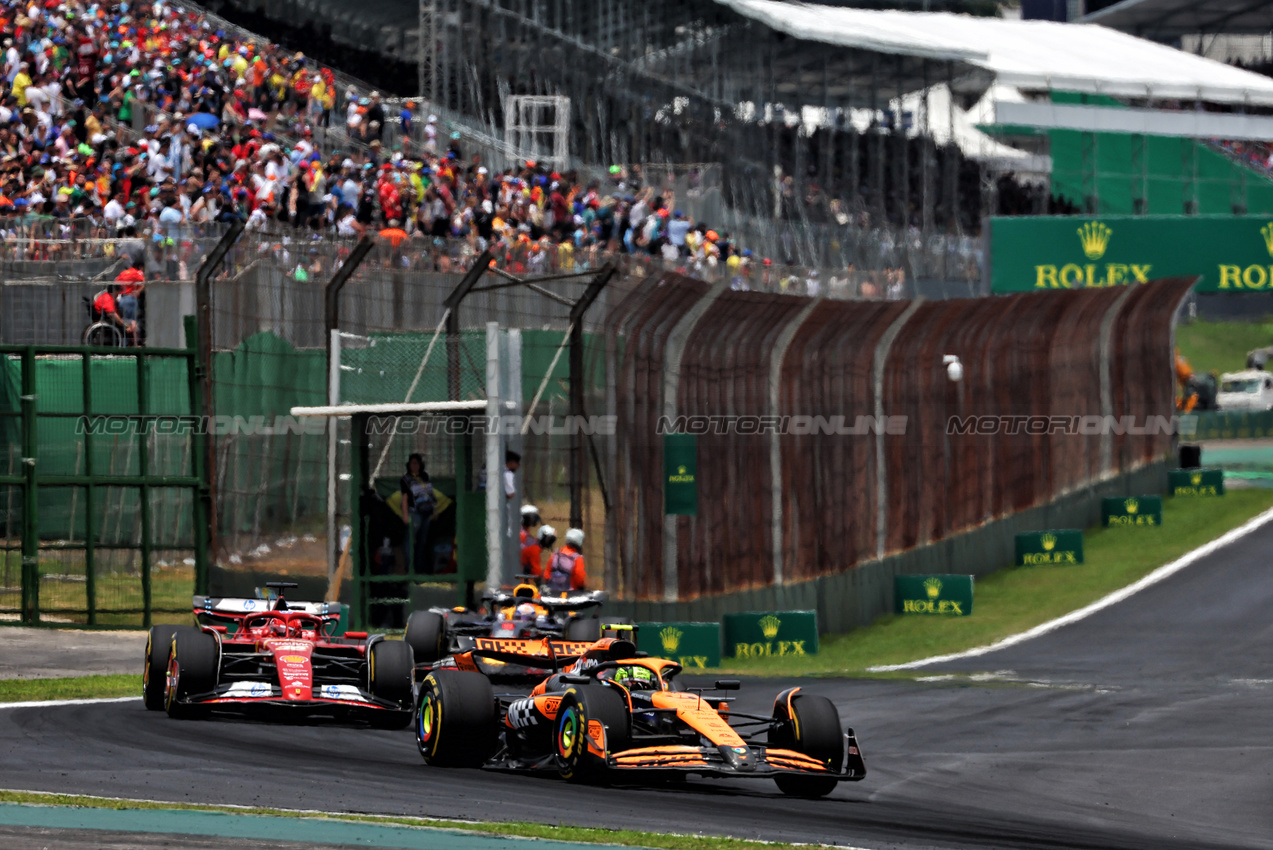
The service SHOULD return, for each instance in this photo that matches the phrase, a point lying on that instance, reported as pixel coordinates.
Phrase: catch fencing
(902, 466)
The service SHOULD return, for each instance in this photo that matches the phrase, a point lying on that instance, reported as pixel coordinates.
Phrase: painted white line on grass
(53, 703)
(1164, 572)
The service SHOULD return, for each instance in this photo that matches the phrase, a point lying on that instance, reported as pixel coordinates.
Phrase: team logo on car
(293, 659)
(260, 689)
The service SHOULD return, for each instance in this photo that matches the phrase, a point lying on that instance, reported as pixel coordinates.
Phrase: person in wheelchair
(109, 328)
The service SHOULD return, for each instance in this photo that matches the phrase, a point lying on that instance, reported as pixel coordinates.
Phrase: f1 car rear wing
(572, 602)
(544, 652)
(227, 606)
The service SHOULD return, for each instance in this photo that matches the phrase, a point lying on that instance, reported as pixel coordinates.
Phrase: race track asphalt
(1146, 725)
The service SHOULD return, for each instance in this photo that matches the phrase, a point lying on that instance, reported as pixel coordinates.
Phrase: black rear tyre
(192, 670)
(816, 733)
(456, 719)
(583, 629)
(426, 635)
(580, 706)
(155, 669)
(390, 672)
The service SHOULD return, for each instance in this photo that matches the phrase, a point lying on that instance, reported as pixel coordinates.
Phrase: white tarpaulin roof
(1030, 55)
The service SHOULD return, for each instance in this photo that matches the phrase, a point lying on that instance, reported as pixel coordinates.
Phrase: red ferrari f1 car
(615, 712)
(275, 657)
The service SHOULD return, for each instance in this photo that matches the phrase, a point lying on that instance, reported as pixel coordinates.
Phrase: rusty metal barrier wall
(1039, 360)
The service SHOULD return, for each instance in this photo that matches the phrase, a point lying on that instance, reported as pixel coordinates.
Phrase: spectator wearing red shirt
(132, 282)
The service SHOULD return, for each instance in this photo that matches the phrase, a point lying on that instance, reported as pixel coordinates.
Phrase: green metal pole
(358, 466)
(90, 565)
(143, 467)
(196, 372)
(30, 503)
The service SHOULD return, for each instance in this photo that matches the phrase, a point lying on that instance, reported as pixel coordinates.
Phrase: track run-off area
(1143, 725)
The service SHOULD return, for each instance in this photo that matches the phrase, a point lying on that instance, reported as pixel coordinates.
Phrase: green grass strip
(584, 835)
(1221, 346)
(1014, 599)
(79, 687)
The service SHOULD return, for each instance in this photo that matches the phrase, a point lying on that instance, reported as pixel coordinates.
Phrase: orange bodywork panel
(700, 716)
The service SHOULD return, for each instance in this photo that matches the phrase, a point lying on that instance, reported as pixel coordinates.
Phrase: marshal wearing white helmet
(566, 570)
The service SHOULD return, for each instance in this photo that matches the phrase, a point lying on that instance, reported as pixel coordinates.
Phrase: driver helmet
(278, 628)
(525, 613)
(634, 677)
(530, 516)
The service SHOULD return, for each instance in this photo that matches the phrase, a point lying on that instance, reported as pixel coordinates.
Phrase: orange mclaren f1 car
(614, 712)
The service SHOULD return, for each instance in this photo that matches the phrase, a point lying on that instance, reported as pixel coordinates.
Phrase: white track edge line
(53, 703)
(1160, 574)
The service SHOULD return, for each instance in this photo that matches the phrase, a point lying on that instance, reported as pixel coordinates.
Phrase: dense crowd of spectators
(234, 138)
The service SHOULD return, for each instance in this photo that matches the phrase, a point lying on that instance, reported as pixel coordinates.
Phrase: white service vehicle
(1250, 389)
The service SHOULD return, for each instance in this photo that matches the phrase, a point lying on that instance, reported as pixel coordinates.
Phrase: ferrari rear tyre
(580, 706)
(816, 732)
(426, 635)
(192, 670)
(155, 670)
(390, 669)
(456, 720)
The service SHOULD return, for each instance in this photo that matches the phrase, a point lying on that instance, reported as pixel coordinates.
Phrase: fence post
(877, 381)
(90, 565)
(143, 490)
(578, 463)
(1107, 386)
(30, 501)
(676, 341)
(331, 309)
(781, 345)
(202, 507)
(203, 308)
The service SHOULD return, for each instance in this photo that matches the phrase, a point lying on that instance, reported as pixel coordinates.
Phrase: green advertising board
(933, 594)
(772, 633)
(1196, 482)
(1059, 546)
(1230, 253)
(692, 645)
(1131, 510)
(680, 470)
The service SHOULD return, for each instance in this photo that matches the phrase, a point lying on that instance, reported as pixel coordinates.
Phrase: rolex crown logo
(769, 625)
(1267, 232)
(671, 638)
(932, 586)
(1196, 479)
(1131, 505)
(1049, 542)
(1094, 237)
(680, 470)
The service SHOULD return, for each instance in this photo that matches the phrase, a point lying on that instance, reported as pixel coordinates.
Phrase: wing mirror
(728, 684)
(574, 680)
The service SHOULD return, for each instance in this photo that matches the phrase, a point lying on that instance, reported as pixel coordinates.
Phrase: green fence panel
(933, 594)
(1059, 546)
(692, 645)
(1196, 482)
(771, 633)
(1227, 424)
(1131, 510)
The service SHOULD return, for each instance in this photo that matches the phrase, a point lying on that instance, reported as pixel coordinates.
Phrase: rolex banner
(1196, 482)
(939, 594)
(680, 467)
(692, 645)
(1132, 510)
(1230, 253)
(778, 633)
(1064, 546)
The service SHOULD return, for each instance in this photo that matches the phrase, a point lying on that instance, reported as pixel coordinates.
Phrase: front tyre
(155, 669)
(814, 730)
(580, 707)
(193, 665)
(456, 720)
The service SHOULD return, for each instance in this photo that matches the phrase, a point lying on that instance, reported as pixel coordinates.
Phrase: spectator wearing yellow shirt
(20, 83)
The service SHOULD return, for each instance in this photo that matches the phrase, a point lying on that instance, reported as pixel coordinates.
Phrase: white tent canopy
(1029, 55)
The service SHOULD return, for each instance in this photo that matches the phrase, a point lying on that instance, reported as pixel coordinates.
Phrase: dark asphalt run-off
(1145, 725)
